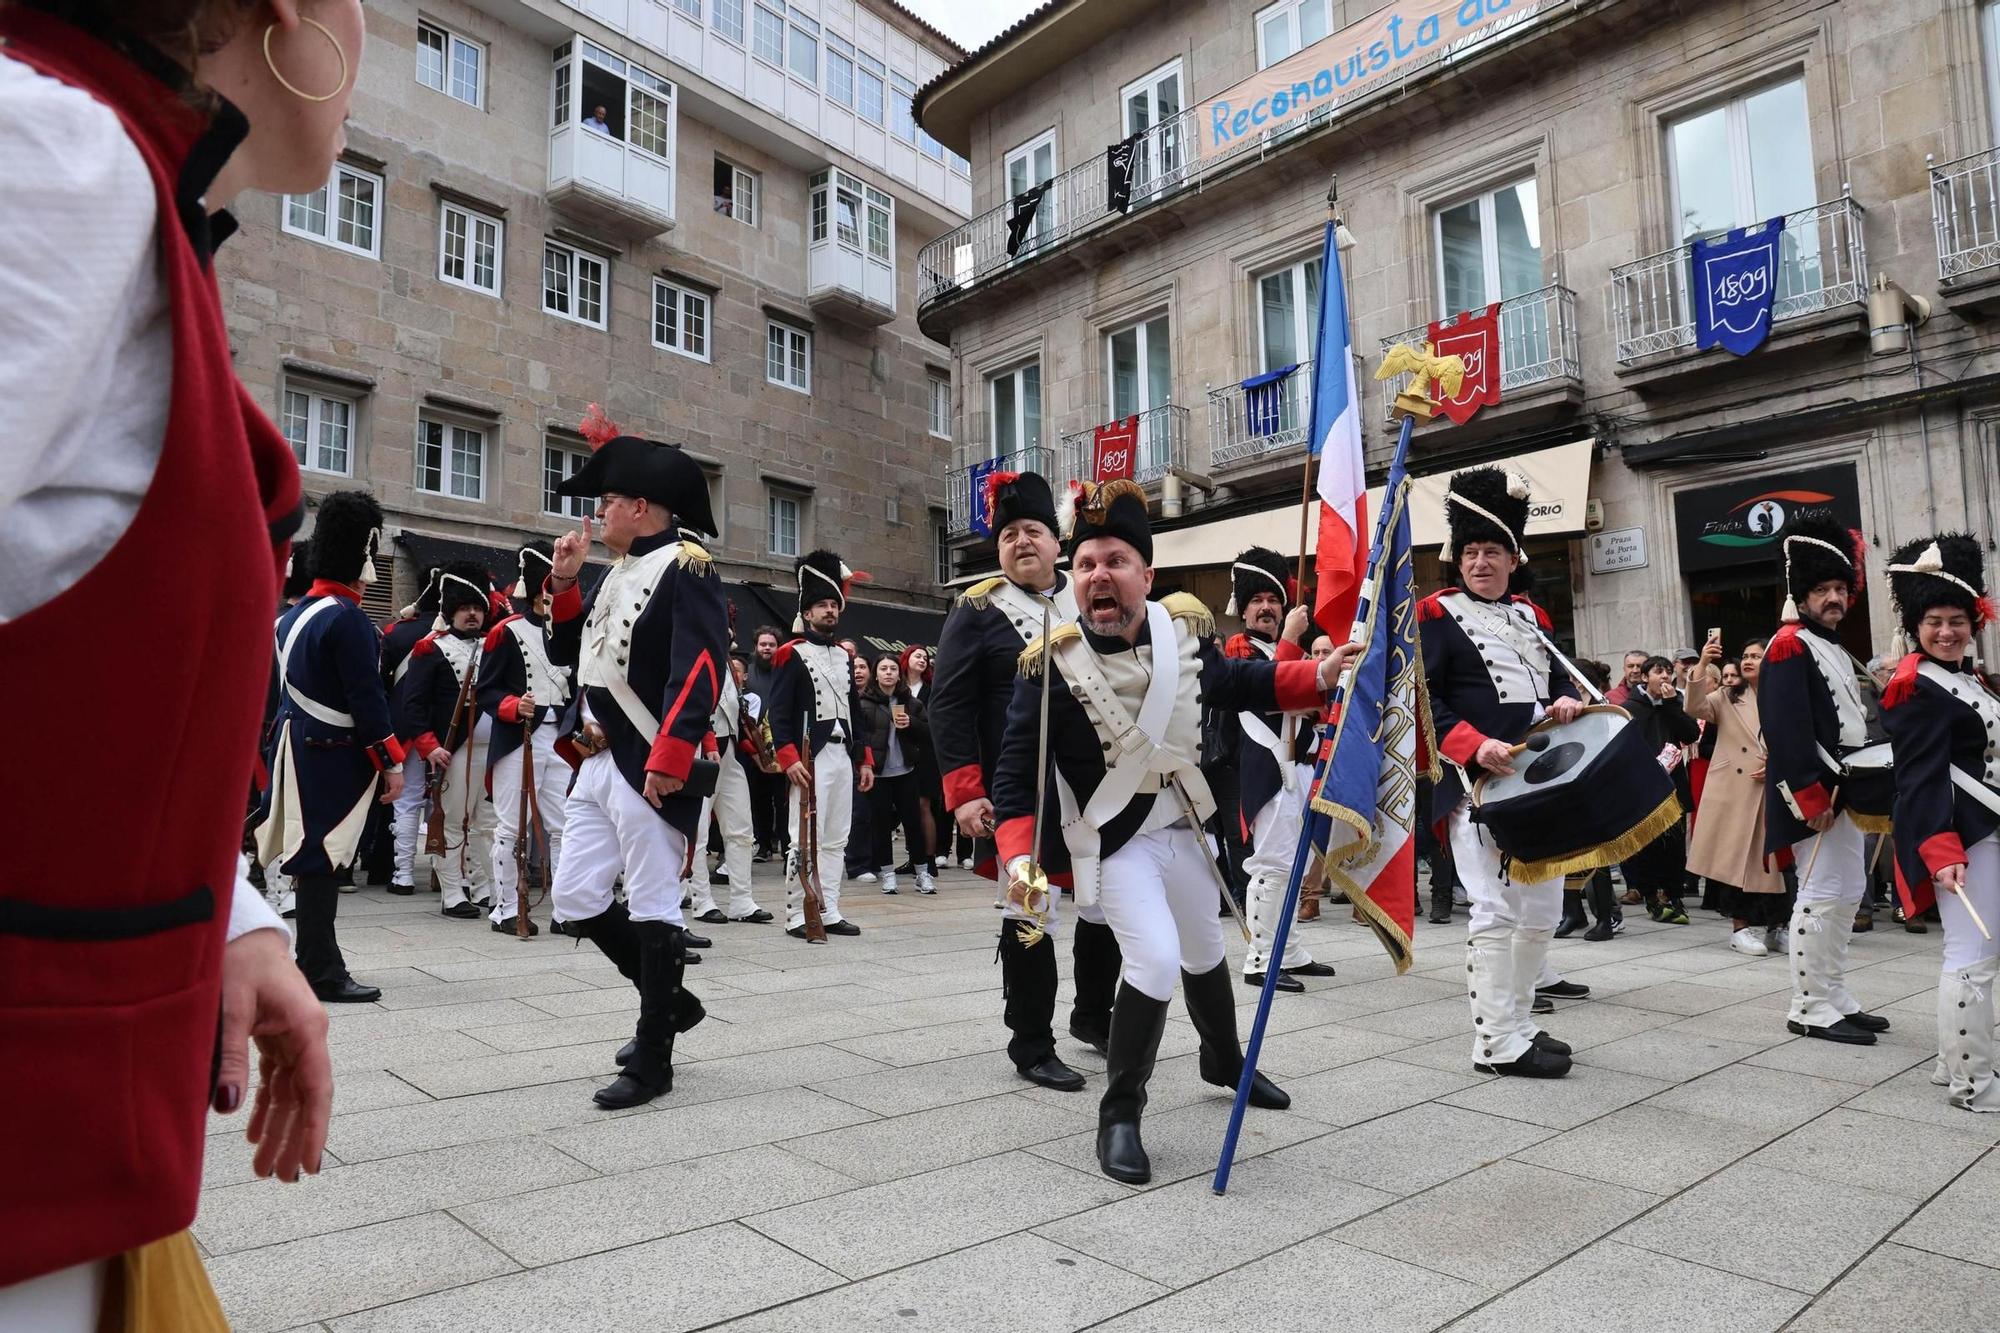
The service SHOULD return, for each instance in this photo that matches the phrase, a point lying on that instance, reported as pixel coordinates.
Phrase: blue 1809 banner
(1735, 282)
(981, 516)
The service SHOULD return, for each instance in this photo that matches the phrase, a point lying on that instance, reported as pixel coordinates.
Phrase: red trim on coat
(1812, 801)
(331, 588)
(390, 745)
(1298, 687)
(564, 605)
(424, 744)
(509, 709)
(962, 784)
(1904, 683)
(680, 700)
(785, 652)
(868, 756)
(493, 637)
(1015, 837)
(1784, 645)
(671, 755)
(1288, 651)
(1461, 744)
(1941, 850)
(787, 756)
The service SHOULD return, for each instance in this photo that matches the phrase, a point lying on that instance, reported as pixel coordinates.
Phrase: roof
(943, 106)
(951, 47)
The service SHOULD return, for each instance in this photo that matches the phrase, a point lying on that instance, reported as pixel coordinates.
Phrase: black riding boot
(1573, 918)
(1137, 1022)
(316, 899)
(1441, 882)
(662, 966)
(1098, 960)
(1603, 904)
(1212, 1009)
(1028, 979)
(616, 936)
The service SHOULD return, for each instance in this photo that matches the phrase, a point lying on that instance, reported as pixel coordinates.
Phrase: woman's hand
(265, 999)
(1951, 879)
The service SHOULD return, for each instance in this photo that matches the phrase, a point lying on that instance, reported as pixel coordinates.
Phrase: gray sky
(969, 22)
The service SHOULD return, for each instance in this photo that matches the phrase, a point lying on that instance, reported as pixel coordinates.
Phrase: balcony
(1162, 443)
(1245, 425)
(958, 484)
(851, 250)
(1965, 208)
(1822, 268)
(617, 176)
(1540, 364)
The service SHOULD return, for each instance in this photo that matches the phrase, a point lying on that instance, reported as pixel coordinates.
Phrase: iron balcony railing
(1823, 264)
(1161, 443)
(1248, 424)
(1538, 344)
(958, 484)
(1965, 206)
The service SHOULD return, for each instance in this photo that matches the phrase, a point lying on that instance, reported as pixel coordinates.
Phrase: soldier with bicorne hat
(439, 717)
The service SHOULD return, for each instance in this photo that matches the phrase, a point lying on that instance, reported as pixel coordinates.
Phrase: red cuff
(1811, 800)
(709, 748)
(1288, 651)
(787, 756)
(1941, 850)
(672, 756)
(385, 753)
(1298, 686)
(747, 746)
(1015, 837)
(867, 757)
(510, 708)
(565, 605)
(1461, 743)
(963, 784)
(425, 744)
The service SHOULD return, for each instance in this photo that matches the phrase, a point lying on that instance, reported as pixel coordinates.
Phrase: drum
(1583, 794)
(1868, 792)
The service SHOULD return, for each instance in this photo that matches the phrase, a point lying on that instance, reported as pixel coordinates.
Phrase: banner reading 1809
(1357, 57)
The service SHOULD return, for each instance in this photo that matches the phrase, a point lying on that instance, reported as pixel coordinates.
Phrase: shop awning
(1558, 479)
(876, 627)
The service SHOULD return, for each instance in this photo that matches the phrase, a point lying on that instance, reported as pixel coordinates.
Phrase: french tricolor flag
(1342, 550)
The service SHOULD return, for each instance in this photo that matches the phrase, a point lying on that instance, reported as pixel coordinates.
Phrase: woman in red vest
(146, 505)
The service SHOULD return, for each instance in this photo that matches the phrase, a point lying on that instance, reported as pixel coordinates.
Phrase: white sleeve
(247, 909)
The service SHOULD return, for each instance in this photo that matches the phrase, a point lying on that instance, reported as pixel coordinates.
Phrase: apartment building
(1556, 158)
(702, 214)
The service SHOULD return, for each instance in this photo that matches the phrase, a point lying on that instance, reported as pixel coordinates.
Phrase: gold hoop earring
(286, 83)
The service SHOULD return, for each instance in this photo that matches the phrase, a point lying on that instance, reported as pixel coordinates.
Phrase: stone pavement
(847, 1148)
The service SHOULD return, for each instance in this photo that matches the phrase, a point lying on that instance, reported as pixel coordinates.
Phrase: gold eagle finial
(1422, 363)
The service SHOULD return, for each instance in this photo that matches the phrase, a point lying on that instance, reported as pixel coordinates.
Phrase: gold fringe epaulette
(1186, 606)
(980, 595)
(1036, 652)
(695, 556)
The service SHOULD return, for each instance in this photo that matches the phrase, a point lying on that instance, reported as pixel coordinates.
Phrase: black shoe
(796, 932)
(1843, 1031)
(402, 890)
(348, 991)
(1098, 1039)
(1440, 912)
(714, 916)
(1312, 969)
(1542, 1005)
(1050, 1072)
(1863, 923)
(461, 912)
(560, 928)
(1565, 990)
(756, 918)
(694, 941)
(842, 927)
(1868, 1022)
(1543, 1041)
(693, 959)
(509, 927)
(1137, 1023)
(665, 1008)
(1573, 918)
(1533, 1063)
(761, 857)
(1211, 1008)
(1600, 932)
(1255, 981)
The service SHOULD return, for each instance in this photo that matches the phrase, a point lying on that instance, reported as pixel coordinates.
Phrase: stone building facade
(1556, 160)
(727, 262)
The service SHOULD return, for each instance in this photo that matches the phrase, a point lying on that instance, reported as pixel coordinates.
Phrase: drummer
(1943, 720)
(1809, 701)
(1491, 677)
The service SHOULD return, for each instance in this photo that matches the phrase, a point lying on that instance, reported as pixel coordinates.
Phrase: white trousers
(608, 828)
(695, 890)
(1274, 838)
(1840, 873)
(731, 805)
(1507, 942)
(1159, 900)
(1964, 947)
(465, 870)
(833, 800)
(1823, 921)
(409, 818)
(551, 787)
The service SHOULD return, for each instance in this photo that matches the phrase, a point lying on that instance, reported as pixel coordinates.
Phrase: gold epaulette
(980, 594)
(1032, 656)
(1186, 606)
(694, 556)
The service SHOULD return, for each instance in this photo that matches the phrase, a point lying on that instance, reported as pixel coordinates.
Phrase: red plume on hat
(994, 481)
(597, 428)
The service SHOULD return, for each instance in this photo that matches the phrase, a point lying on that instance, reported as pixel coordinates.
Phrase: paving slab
(1186, 1141)
(1615, 1288)
(1414, 1149)
(668, 1132)
(1897, 1286)
(1647, 1147)
(1846, 1146)
(1960, 1221)
(1747, 1095)
(1585, 1093)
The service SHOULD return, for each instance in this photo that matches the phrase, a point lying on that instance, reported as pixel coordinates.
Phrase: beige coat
(1728, 843)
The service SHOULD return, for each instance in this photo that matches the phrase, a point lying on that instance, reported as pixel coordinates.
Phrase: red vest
(115, 892)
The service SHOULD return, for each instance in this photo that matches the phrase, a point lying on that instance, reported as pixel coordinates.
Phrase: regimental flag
(1364, 797)
(1735, 282)
(980, 515)
(1113, 445)
(1336, 442)
(1475, 340)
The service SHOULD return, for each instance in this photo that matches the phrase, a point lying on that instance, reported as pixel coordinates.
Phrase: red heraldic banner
(1115, 442)
(1475, 340)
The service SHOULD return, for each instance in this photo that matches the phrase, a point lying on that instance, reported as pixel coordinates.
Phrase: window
(1154, 103)
(321, 429)
(680, 319)
(900, 107)
(691, 8)
(805, 48)
(1488, 248)
(573, 284)
(1014, 405)
(1139, 360)
(736, 192)
(959, 166)
(1026, 167)
(449, 63)
(652, 114)
(727, 19)
(559, 101)
(469, 249)
(1288, 27)
(767, 36)
(349, 224)
(940, 406)
(839, 69)
(1287, 321)
(941, 548)
(786, 517)
(559, 464)
(857, 213)
(869, 80)
(1747, 160)
(788, 356)
(451, 459)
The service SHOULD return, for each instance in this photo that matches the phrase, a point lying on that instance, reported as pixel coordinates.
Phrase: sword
(1208, 858)
(1033, 892)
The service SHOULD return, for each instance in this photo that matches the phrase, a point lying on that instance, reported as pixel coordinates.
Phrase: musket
(1033, 895)
(434, 836)
(806, 848)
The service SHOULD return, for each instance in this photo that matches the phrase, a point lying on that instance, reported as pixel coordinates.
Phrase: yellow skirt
(160, 1288)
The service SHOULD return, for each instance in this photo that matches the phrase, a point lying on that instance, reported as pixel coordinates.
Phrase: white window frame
(745, 184)
(869, 68)
(318, 404)
(1736, 121)
(1161, 157)
(941, 548)
(577, 258)
(1045, 216)
(902, 108)
(1140, 329)
(449, 431)
(569, 507)
(803, 37)
(329, 213)
(839, 48)
(725, 20)
(798, 344)
(691, 8)
(1290, 10)
(1489, 241)
(1304, 318)
(473, 219)
(939, 405)
(453, 44)
(757, 34)
(800, 503)
(689, 302)
(1022, 439)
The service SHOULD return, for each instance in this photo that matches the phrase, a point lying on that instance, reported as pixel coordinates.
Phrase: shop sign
(1740, 522)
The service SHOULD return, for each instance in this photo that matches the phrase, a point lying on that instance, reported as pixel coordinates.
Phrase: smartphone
(1715, 633)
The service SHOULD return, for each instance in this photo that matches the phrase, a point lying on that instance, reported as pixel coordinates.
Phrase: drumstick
(1818, 838)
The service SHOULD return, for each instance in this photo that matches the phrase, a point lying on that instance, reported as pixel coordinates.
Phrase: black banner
(1739, 523)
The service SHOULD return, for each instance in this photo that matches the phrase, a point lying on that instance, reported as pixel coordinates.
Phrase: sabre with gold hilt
(1031, 891)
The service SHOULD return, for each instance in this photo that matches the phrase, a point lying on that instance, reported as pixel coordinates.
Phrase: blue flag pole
(1303, 853)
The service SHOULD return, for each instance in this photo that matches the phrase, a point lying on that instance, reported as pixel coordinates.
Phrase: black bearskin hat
(346, 537)
(1259, 569)
(460, 584)
(532, 564)
(1945, 570)
(820, 575)
(1016, 495)
(1486, 504)
(1107, 509)
(298, 571)
(1816, 551)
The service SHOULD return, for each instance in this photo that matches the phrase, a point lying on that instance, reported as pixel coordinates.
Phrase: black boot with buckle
(1137, 1023)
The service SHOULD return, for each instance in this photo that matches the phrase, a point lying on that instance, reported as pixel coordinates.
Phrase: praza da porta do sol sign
(1355, 58)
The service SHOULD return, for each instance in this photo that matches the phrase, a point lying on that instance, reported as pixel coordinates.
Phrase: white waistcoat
(548, 682)
(1838, 670)
(1509, 643)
